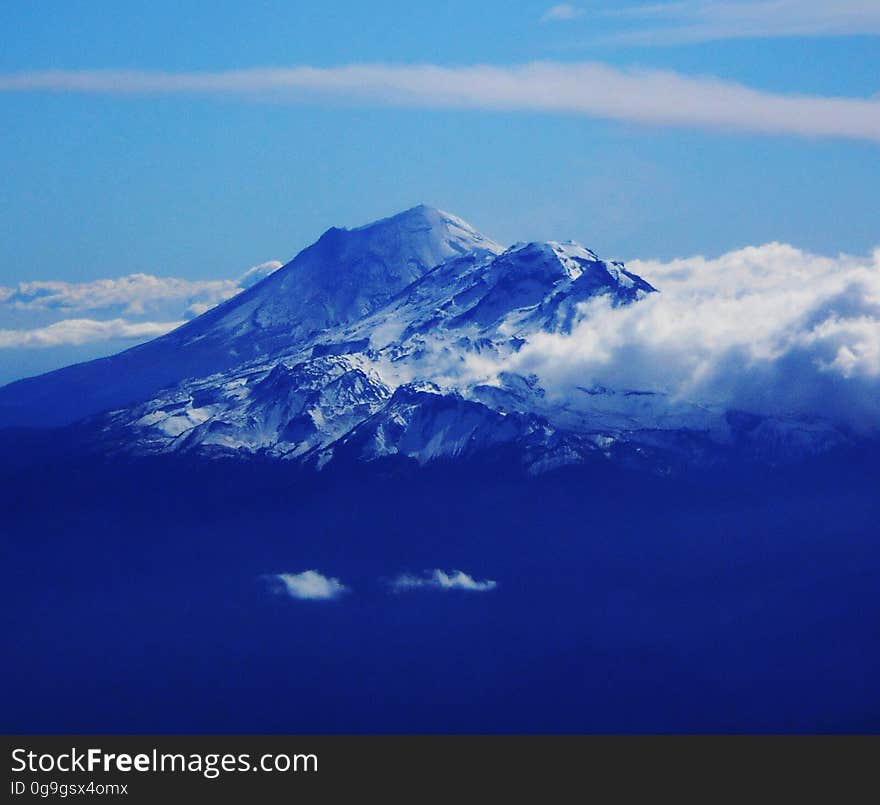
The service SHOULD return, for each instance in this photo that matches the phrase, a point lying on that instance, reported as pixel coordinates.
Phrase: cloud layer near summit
(770, 329)
(592, 89)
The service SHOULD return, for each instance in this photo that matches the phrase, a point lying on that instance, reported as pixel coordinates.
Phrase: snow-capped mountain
(392, 340)
(343, 276)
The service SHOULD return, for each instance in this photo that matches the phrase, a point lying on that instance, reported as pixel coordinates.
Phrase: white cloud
(197, 308)
(701, 20)
(650, 97)
(140, 306)
(134, 294)
(439, 580)
(561, 13)
(310, 585)
(770, 329)
(259, 272)
(74, 332)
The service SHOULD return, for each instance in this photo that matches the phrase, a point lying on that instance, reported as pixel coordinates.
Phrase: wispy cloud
(561, 13)
(440, 580)
(700, 21)
(649, 97)
(137, 306)
(310, 585)
(75, 332)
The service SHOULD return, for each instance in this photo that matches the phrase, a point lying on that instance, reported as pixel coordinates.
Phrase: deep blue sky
(104, 185)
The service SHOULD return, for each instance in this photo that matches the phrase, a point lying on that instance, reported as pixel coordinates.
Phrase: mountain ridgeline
(396, 339)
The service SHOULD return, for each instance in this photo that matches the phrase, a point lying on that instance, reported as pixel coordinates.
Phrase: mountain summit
(344, 275)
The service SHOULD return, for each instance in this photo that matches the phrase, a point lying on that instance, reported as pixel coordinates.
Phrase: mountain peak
(420, 236)
(342, 277)
(427, 226)
(419, 211)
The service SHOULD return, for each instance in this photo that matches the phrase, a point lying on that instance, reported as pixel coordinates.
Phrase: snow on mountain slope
(342, 277)
(485, 304)
(422, 423)
(337, 280)
(284, 410)
(482, 301)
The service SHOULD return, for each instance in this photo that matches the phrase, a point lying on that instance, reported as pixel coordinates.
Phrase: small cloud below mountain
(440, 580)
(310, 585)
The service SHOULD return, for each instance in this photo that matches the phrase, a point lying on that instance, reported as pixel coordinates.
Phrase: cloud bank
(702, 21)
(592, 89)
(440, 580)
(770, 329)
(310, 585)
(139, 306)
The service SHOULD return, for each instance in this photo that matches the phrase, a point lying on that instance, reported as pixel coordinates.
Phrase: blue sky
(202, 185)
